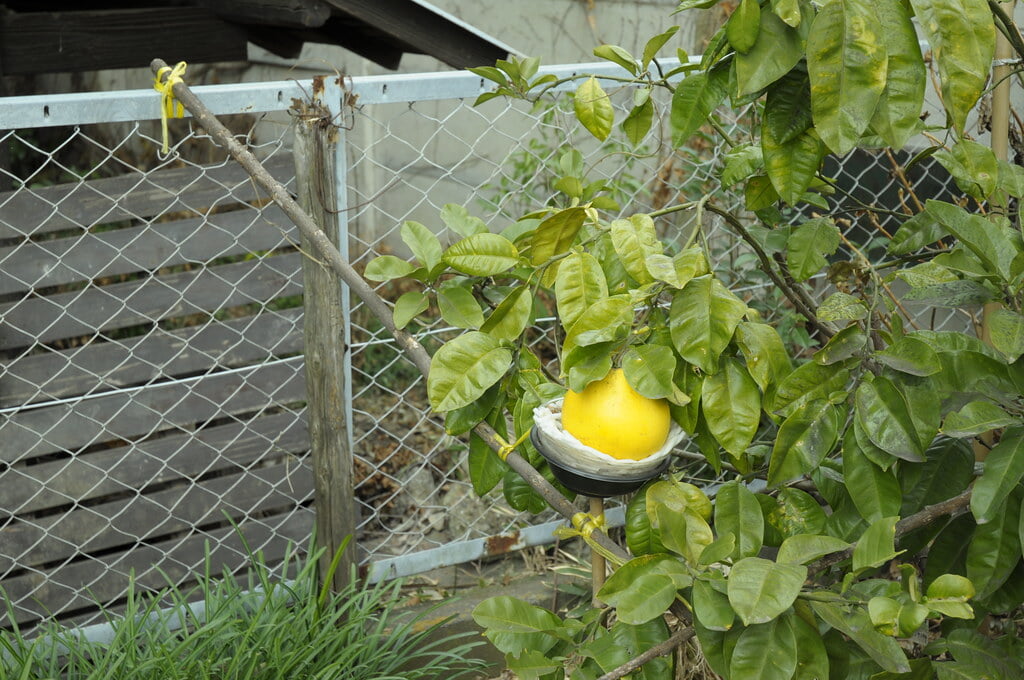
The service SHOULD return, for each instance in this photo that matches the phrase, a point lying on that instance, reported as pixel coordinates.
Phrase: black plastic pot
(595, 486)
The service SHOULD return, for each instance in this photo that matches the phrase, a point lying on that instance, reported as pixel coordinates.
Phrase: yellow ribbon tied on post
(583, 526)
(169, 107)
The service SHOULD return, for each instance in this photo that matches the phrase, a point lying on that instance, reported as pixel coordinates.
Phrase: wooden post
(1000, 147)
(598, 567)
(316, 142)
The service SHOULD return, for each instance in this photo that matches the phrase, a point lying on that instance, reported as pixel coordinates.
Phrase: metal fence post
(316, 143)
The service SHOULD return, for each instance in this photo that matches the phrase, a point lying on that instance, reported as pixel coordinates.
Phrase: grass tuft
(257, 627)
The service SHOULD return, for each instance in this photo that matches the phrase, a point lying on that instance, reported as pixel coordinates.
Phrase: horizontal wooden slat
(144, 518)
(149, 463)
(120, 305)
(77, 585)
(93, 255)
(124, 416)
(99, 366)
(27, 212)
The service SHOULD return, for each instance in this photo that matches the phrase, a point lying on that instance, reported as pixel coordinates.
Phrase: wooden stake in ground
(598, 567)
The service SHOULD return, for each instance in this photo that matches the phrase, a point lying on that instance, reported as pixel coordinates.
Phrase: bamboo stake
(598, 566)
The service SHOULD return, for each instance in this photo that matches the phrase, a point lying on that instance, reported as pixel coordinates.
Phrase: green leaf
(917, 232)
(649, 370)
(634, 240)
(711, 607)
(986, 240)
(509, 318)
(463, 368)
(593, 108)
(995, 549)
(954, 294)
(760, 590)
(459, 307)
(408, 306)
(884, 613)
(842, 307)
(796, 512)
(804, 548)
(422, 242)
(751, 658)
(623, 642)
(884, 414)
(482, 255)
(808, 244)
(655, 44)
(617, 55)
(579, 284)
(812, 661)
(1004, 468)
(962, 37)
(731, 405)
(877, 545)
(765, 354)
(1011, 179)
(884, 650)
(776, 51)
(702, 319)
(744, 25)
(791, 165)
(948, 595)
(788, 11)
(807, 435)
(897, 116)
(583, 365)
(641, 537)
(485, 467)
(531, 664)
(787, 109)
(910, 355)
(759, 193)
(677, 271)
(556, 233)
(807, 382)
(457, 218)
(846, 62)
(694, 100)
(1006, 331)
(737, 512)
(849, 342)
(643, 588)
(520, 495)
(605, 320)
(387, 267)
(741, 161)
(509, 615)
(973, 166)
(975, 418)
(875, 492)
(637, 123)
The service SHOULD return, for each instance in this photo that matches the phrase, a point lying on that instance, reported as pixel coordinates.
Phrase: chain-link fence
(152, 388)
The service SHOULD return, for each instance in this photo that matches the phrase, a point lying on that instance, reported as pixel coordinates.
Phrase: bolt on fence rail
(152, 388)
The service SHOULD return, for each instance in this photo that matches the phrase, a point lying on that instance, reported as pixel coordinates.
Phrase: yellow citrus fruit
(613, 418)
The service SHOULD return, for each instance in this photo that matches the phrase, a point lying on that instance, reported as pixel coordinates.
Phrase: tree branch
(919, 519)
(660, 649)
(796, 295)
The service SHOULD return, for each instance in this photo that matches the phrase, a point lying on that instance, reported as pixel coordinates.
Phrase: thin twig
(789, 288)
(680, 637)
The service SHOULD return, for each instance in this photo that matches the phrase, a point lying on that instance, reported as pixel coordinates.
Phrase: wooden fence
(151, 383)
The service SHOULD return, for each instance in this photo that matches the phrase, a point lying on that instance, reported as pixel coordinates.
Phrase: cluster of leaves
(884, 421)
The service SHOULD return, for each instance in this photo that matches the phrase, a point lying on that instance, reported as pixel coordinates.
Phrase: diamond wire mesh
(151, 378)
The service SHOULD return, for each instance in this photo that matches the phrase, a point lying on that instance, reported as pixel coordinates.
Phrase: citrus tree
(871, 519)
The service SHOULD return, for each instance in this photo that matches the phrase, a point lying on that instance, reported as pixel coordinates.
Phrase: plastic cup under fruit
(584, 469)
